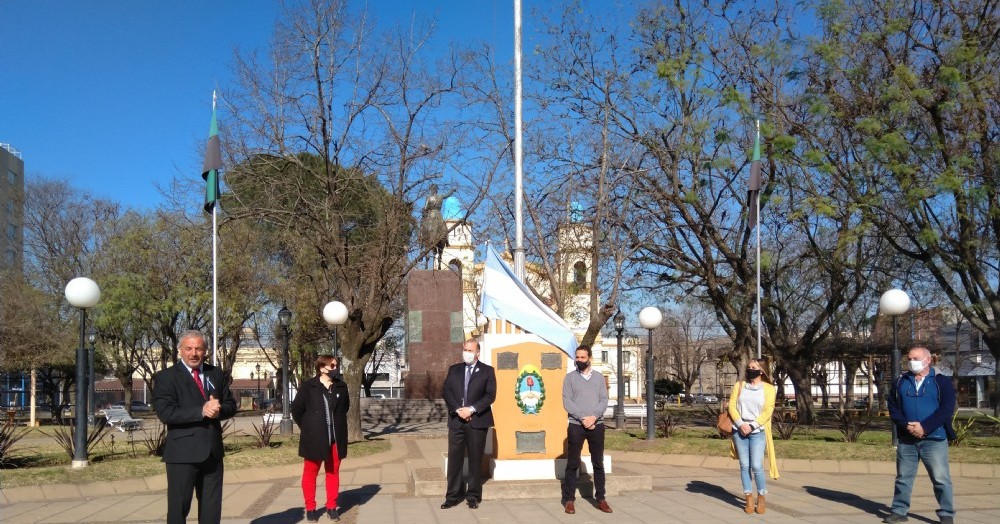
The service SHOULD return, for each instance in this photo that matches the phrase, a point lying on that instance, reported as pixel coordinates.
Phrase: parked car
(704, 399)
(860, 403)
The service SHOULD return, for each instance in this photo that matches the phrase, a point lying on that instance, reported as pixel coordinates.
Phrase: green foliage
(10, 434)
(666, 386)
(963, 430)
(64, 436)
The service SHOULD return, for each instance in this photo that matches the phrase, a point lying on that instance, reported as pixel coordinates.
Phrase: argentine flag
(507, 298)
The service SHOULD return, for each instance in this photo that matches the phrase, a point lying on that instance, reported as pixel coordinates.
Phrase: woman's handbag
(725, 424)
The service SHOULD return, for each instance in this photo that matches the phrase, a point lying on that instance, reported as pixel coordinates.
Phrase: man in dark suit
(469, 391)
(190, 400)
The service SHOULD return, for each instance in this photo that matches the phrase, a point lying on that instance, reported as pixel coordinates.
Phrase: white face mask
(917, 366)
(469, 357)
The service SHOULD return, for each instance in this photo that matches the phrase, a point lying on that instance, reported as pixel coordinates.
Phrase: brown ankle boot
(761, 507)
(749, 506)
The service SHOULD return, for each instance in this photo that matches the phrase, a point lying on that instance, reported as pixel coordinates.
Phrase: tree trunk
(803, 394)
(992, 341)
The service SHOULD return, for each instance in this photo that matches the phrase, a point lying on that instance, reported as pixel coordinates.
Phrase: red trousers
(310, 470)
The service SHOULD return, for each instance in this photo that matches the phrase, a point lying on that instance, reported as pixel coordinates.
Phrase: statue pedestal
(529, 438)
(542, 469)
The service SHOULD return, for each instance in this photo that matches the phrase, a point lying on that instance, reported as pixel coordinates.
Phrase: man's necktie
(465, 395)
(197, 380)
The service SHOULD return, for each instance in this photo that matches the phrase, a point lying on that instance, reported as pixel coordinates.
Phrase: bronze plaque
(530, 441)
(551, 361)
(507, 360)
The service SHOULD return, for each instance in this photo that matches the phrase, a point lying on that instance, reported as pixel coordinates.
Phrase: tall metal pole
(91, 379)
(80, 459)
(620, 407)
(650, 400)
(518, 157)
(286, 420)
(895, 370)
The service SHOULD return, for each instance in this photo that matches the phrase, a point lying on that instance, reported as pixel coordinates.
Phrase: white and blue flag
(507, 298)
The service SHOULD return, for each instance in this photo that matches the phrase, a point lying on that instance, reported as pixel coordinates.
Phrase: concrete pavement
(380, 489)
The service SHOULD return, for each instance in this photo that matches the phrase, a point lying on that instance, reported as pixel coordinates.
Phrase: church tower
(575, 247)
(459, 256)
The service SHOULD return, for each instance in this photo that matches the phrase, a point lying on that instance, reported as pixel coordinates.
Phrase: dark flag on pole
(213, 163)
(753, 191)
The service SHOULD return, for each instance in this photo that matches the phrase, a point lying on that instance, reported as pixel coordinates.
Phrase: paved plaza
(383, 488)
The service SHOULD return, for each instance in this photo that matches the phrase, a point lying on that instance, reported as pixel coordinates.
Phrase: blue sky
(115, 96)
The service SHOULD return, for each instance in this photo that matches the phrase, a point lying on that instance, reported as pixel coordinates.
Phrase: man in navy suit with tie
(191, 399)
(469, 391)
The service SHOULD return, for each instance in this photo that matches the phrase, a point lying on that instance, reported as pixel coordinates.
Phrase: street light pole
(619, 321)
(894, 303)
(260, 401)
(335, 314)
(82, 293)
(91, 374)
(285, 320)
(650, 319)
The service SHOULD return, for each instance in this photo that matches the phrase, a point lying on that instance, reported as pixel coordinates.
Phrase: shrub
(962, 430)
(852, 426)
(783, 424)
(666, 425)
(9, 435)
(64, 436)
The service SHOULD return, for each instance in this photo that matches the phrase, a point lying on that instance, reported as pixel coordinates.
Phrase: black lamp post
(619, 321)
(650, 319)
(259, 400)
(894, 303)
(285, 319)
(82, 293)
(92, 375)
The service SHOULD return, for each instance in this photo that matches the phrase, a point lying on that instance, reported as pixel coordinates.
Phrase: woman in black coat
(320, 410)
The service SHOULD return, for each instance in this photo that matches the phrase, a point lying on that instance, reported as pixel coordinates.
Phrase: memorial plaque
(530, 441)
(457, 327)
(507, 361)
(551, 361)
(415, 326)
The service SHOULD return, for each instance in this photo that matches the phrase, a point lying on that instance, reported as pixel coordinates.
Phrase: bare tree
(335, 136)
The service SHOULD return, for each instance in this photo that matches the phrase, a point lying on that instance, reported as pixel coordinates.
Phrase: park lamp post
(619, 321)
(650, 319)
(894, 303)
(91, 375)
(82, 293)
(285, 320)
(335, 314)
(260, 402)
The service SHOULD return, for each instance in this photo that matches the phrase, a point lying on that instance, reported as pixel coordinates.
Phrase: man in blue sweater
(921, 405)
(585, 397)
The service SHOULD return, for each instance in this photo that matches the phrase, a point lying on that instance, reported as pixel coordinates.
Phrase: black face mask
(753, 374)
(582, 365)
(334, 374)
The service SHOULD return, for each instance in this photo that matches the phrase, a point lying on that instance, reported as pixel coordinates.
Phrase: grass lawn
(41, 460)
(827, 444)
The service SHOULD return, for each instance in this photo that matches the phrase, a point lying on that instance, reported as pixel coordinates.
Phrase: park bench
(119, 419)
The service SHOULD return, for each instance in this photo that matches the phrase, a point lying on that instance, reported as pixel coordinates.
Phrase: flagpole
(215, 272)
(518, 159)
(757, 227)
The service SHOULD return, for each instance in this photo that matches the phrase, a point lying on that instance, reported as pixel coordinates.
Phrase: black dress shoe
(449, 504)
(473, 503)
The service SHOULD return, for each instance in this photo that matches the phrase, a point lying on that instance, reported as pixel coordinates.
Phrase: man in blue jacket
(921, 405)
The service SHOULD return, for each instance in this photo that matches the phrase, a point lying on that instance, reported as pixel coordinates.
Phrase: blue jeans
(934, 455)
(750, 450)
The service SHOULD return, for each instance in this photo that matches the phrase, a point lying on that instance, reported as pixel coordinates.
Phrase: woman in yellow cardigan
(751, 404)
